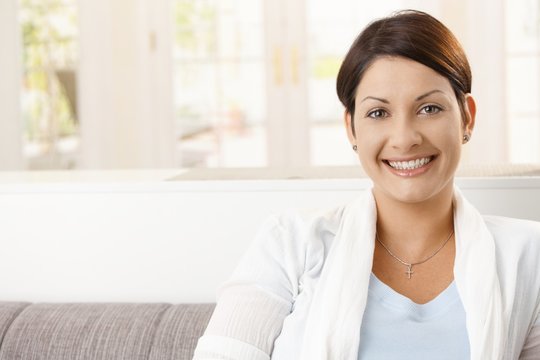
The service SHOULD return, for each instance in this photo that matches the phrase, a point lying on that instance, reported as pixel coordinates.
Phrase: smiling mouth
(411, 164)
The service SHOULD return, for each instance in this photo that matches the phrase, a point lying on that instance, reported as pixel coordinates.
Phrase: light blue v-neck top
(395, 327)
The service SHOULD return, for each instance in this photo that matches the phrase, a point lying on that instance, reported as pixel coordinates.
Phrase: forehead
(394, 76)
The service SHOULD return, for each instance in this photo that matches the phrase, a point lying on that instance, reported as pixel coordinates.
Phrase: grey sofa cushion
(83, 332)
(8, 312)
(180, 328)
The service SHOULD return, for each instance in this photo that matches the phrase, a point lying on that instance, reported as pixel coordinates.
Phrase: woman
(410, 270)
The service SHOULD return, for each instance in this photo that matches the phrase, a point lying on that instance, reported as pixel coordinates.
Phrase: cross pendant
(409, 271)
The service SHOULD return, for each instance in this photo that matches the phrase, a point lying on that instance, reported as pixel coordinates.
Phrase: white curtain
(10, 74)
(125, 91)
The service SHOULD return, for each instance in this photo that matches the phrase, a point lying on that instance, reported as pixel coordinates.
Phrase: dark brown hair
(410, 34)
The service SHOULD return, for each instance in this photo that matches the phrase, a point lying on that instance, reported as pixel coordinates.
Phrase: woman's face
(409, 129)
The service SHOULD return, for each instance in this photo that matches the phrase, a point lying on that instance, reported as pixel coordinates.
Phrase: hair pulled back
(411, 34)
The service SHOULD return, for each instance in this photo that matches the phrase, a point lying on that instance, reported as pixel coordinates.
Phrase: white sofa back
(172, 241)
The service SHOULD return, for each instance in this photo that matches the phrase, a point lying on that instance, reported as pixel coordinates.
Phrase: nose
(404, 135)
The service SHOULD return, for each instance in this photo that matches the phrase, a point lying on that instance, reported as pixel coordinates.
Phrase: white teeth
(409, 165)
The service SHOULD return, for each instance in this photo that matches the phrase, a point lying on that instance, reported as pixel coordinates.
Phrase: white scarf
(335, 316)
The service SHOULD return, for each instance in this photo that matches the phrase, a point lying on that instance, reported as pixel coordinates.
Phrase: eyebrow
(417, 99)
(428, 93)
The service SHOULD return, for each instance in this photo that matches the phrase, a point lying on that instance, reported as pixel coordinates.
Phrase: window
(253, 80)
(49, 30)
(220, 82)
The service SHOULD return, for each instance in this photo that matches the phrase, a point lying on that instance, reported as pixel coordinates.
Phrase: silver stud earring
(466, 138)
(355, 147)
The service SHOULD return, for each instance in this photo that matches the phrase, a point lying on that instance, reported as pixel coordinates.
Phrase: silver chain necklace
(409, 266)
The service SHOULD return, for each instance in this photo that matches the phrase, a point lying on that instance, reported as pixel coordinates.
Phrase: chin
(414, 194)
(413, 197)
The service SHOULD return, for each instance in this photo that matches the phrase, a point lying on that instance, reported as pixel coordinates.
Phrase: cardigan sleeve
(531, 347)
(253, 304)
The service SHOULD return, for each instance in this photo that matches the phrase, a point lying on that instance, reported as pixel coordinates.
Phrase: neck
(413, 230)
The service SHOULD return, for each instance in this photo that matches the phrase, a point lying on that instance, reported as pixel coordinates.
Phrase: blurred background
(132, 84)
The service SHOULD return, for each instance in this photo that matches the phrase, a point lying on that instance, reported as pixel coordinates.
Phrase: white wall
(173, 241)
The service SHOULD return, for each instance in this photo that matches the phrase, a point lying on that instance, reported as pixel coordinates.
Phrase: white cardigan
(300, 291)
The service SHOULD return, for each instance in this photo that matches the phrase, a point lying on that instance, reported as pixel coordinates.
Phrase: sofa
(92, 331)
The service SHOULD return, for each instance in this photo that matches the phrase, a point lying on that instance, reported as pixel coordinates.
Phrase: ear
(348, 125)
(470, 114)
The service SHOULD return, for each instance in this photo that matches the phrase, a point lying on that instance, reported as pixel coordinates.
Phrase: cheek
(374, 135)
(446, 133)
(370, 144)
(449, 143)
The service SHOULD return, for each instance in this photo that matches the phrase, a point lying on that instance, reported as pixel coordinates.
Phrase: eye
(377, 114)
(430, 110)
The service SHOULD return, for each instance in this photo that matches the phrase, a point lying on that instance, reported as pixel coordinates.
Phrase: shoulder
(297, 231)
(517, 246)
(304, 223)
(505, 229)
(516, 240)
(305, 235)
